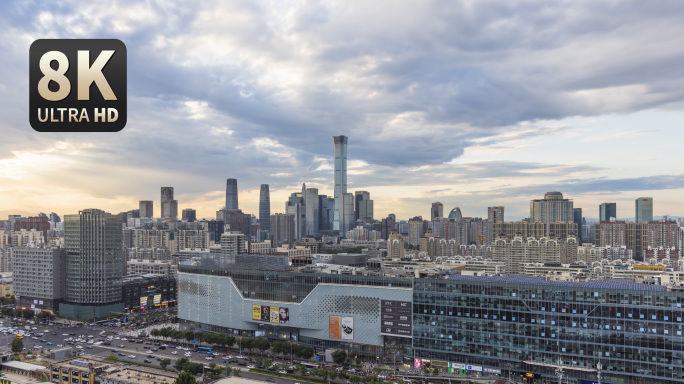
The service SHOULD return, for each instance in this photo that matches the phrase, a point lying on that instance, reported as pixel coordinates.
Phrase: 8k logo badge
(77, 85)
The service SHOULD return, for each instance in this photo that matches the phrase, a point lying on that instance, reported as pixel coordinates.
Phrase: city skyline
(472, 105)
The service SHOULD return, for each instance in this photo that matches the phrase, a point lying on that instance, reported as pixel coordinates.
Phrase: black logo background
(114, 72)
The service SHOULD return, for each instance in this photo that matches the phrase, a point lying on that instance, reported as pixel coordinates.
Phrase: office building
(495, 214)
(326, 208)
(312, 213)
(577, 219)
(265, 208)
(346, 213)
(146, 208)
(189, 214)
(607, 211)
(644, 209)
(55, 218)
(94, 265)
(388, 225)
(169, 206)
(363, 205)
(552, 208)
(340, 166)
(158, 267)
(455, 214)
(39, 277)
(436, 211)
(231, 194)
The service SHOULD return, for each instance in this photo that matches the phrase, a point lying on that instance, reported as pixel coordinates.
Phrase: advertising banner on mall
(348, 328)
(335, 327)
(256, 312)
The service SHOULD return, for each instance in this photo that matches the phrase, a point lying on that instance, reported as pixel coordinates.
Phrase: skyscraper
(169, 206)
(346, 214)
(495, 214)
(231, 194)
(311, 213)
(551, 209)
(146, 208)
(577, 218)
(265, 208)
(607, 210)
(363, 205)
(644, 209)
(340, 153)
(94, 265)
(437, 211)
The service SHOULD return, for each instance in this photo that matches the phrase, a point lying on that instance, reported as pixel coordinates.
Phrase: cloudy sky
(470, 103)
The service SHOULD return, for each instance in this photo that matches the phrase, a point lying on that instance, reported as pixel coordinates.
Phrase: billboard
(157, 299)
(347, 325)
(143, 301)
(396, 318)
(276, 315)
(417, 363)
(335, 327)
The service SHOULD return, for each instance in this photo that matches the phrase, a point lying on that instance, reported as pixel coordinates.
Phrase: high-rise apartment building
(552, 208)
(37, 223)
(495, 214)
(231, 194)
(282, 229)
(312, 213)
(94, 265)
(146, 208)
(415, 230)
(455, 214)
(340, 154)
(233, 244)
(265, 208)
(436, 211)
(644, 209)
(395, 245)
(607, 210)
(388, 225)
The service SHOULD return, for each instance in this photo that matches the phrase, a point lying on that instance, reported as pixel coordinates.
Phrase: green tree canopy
(17, 345)
(164, 363)
(185, 378)
(339, 356)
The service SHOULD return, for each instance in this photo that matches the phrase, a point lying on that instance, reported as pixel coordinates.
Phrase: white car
(79, 347)
(60, 345)
(208, 358)
(250, 367)
(131, 356)
(188, 354)
(174, 352)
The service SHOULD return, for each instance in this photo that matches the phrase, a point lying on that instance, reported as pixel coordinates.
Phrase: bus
(204, 350)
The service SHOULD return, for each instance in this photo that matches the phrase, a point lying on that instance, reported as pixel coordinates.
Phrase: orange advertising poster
(335, 324)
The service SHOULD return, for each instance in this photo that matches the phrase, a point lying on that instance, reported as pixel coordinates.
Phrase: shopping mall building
(464, 324)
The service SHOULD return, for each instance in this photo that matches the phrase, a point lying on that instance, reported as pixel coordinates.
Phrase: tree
(229, 370)
(164, 363)
(28, 314)
(333, 375)
(339, 356)
(17, 345)
(355, 379)
(181, 363)
(112, 358)
(7, 311)
(185, 378)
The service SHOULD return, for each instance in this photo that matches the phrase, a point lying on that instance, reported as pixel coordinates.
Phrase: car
(60, 345)
(90, 347)
(270, 380)
(150, 355)
(208, 358)
(162, 347)
(243, 363)
(121, 345)
(121, 354)
(159, 359)
(172, 346)
(154, 349)
(48, 343)
(281, 371)
(115, 350)
(232, 361)
(53, 333)
(79, 347)
(174, 352)
(251, 367)
(131, 356)
(147, 361)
